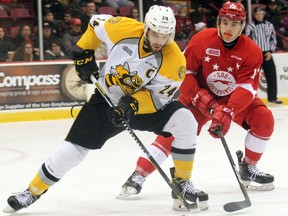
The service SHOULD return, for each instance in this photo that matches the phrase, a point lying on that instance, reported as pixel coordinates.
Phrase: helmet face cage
(160, 19)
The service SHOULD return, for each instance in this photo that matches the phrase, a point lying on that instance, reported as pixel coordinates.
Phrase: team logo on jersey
(182, 72)
(213, 52)
(221, 83)
(121, 76)
(114, 20)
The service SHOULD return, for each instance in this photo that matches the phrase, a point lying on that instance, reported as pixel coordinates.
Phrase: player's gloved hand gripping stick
(85, 64)
(126, 109)
(144, 149)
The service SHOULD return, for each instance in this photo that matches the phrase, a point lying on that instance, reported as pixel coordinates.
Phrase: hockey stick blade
(235, 206)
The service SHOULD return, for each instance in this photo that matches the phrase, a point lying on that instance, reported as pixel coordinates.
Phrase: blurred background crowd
(64, 22)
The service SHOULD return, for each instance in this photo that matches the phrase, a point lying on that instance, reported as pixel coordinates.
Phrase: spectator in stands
(64, 25)
(198, 27)
(26, 52)
(284, 4)
(256, 2)
(49, 17)
(285, 33)
(48, 36)
(54, 52)
(57, 7)
(4, 6)
(9, 4)
(183, 25)
(134, 13)
(5, 44)
(201, 11)
(100, 3)
(281, 4)
(148, 3)
(273, 15)
(70, 38)
(24, 34)
(195, 15)
(118, 3)
(263, 33)
(285, 23)
(90, 11)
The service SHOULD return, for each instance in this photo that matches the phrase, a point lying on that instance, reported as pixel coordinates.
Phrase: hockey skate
(132, 186)
(19, 201)
(254, 179)
(191, 194)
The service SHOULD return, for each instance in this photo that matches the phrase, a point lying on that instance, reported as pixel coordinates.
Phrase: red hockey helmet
(233, 11)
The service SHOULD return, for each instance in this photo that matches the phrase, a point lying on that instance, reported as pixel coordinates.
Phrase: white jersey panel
(97, 21)
(125, 72)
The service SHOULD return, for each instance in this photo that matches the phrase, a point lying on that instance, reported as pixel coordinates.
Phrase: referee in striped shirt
(263, 33)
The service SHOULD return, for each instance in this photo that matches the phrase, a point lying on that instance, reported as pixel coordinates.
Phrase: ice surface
(90, 189)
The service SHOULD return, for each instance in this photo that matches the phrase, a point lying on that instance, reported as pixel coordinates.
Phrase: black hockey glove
(85, 65)
(126, 109)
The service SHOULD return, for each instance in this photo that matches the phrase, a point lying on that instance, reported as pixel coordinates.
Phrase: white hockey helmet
(160, 19)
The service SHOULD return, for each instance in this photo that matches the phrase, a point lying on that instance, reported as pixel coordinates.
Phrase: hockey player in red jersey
(220, 85)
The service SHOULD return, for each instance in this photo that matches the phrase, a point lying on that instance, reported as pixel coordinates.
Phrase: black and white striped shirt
(263, 34)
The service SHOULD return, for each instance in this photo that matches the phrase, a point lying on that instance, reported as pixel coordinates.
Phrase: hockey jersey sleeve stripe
(190, 72)
(248, 87)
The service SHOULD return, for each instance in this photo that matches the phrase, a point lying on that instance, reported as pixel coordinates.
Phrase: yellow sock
(37, 186)
(183, 169)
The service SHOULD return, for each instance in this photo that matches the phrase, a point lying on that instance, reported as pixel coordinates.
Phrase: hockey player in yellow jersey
(141, 76)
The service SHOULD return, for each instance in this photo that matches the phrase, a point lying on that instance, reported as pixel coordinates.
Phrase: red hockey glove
(126, 109)
(204, 102)
(222, 117)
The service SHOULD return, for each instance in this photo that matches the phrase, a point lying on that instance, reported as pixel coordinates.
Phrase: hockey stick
(144, 149)
(234, 206)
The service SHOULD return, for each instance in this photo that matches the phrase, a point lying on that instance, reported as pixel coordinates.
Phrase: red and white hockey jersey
(230, 75)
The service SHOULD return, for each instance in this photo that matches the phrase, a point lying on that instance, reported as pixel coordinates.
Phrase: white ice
(90, 189)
